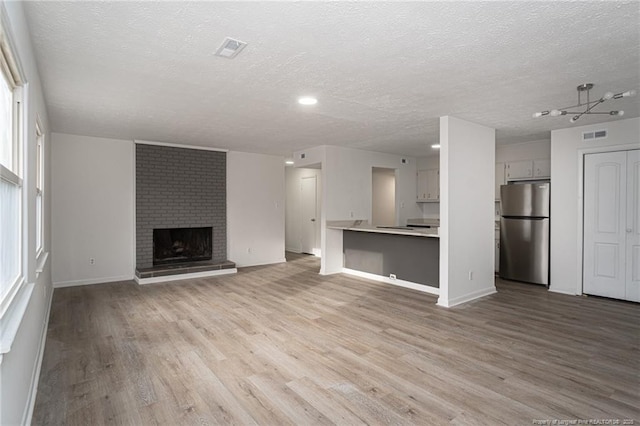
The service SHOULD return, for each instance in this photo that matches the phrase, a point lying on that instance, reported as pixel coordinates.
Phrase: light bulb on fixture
(588, 105)
(435, 146)
(626, 94)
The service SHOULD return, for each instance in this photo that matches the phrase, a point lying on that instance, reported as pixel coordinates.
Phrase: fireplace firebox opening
(179, 245)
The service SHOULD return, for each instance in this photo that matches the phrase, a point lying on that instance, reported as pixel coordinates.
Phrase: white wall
(383, 197)
(255, 208)
(467, 169)
(20, 366)
(430, 162)
(567, 152)
(292, 214)
(93, 204)
(534, 150)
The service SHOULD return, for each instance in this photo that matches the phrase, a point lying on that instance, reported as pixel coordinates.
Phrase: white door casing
(611, 266)
(604, 224)
(308, 209)
(633, 227)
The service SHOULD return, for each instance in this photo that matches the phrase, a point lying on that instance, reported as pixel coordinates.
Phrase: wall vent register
(230, 48)
(597, 134)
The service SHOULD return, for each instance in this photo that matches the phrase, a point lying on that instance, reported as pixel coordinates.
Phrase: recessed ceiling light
(307, 100)
(289, 162)
(435, 146)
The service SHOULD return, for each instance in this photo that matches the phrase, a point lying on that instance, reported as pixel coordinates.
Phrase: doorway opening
(383, 197)
(303, 210)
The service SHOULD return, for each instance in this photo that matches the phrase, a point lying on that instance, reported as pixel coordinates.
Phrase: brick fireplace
(179, 188)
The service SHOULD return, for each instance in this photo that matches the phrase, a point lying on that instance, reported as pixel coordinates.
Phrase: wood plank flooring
(280, 345)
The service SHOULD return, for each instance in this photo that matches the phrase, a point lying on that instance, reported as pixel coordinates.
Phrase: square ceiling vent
(230, 48)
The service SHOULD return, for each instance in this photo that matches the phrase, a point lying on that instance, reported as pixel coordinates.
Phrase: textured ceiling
(383, 72)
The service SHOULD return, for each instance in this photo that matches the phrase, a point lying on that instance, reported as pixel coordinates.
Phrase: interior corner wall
(255, 208)
(19, 368)
(293, 223)
(93, 205)
(567, 152)
(467, 227)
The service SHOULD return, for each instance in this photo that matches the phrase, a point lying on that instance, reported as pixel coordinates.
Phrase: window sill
(12, 318)
(41, 261)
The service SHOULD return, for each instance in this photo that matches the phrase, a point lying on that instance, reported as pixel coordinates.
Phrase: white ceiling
(383, 72)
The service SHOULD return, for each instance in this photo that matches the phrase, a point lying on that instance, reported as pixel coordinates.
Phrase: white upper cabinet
(542, 168)
(528, 169)
(428, 188)
(519, 170)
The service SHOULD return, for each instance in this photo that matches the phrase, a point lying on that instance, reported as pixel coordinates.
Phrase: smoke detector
(230, 48)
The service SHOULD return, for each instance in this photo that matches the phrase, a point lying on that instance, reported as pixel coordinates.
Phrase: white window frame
(10, 71)
(40, 142)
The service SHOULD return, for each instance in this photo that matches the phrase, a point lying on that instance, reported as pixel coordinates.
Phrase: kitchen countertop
(424, 222)
(363, 226)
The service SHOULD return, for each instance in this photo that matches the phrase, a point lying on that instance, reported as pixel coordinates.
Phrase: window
(39, 188)
(11, 229)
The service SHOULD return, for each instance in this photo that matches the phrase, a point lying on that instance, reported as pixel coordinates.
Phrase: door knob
(313, 220)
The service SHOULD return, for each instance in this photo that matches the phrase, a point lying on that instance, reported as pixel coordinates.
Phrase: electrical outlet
(392, 276)
(470, 275)
(249, 250)
(92, 261)
(351, 214)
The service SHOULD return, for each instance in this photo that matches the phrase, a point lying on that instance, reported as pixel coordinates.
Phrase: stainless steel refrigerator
(524, 232)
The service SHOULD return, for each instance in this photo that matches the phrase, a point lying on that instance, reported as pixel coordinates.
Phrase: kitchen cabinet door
(433, 185)
(421, 194)
(428, 185)
(500, 179)
(542, 168)
(497, 256)
(519, 170)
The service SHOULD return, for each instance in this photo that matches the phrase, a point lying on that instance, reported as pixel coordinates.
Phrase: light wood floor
(281, 345)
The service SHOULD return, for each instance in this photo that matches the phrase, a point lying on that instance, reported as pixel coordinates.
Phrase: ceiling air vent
(230, 48)
(596, 134)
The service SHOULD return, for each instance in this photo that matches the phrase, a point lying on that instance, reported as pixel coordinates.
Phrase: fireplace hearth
(182, 245)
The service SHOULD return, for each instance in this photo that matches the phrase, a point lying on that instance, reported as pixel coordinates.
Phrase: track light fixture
(589, 104)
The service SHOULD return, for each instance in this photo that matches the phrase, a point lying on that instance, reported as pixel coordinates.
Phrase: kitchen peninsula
(403, 256)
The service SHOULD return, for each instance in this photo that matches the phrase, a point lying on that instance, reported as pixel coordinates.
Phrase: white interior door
(633, 226)
(308, 208)
(605, 178)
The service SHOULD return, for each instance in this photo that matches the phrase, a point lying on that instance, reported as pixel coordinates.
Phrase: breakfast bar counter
(363, 226)
(400, 255)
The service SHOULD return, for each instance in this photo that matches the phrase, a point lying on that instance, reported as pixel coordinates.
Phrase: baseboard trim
(400, 283)
(271, 262)
(570, 293)
(178, 277)
(31, 400)
(467, 297)
(92, 281)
